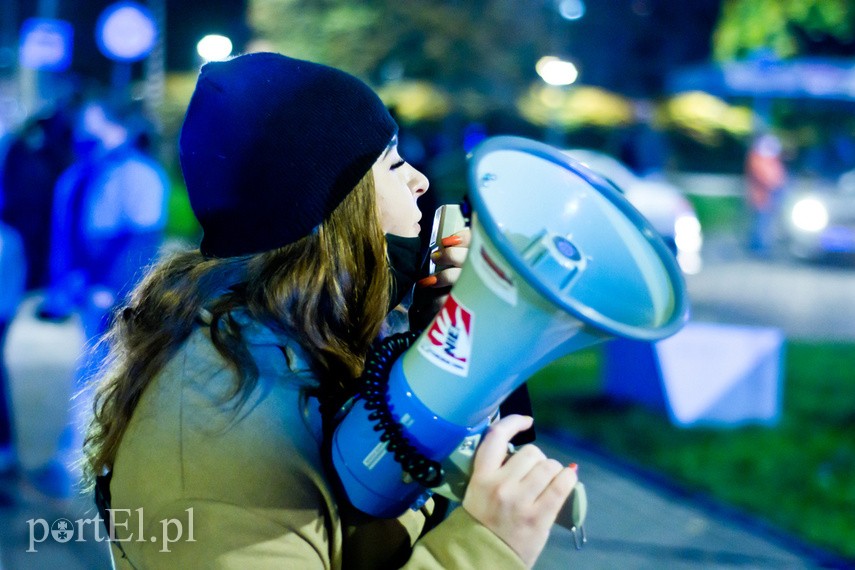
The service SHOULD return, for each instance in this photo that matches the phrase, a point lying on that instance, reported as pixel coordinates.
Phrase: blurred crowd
(83, 207)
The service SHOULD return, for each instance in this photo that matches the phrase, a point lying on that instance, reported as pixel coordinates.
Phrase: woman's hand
(448, 260)
(518, 497)
(432, 291)
(450, 256)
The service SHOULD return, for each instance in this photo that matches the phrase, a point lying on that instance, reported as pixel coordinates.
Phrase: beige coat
(245, 487)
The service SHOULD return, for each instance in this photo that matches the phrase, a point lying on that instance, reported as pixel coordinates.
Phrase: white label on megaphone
(495, 275)
(448, 342)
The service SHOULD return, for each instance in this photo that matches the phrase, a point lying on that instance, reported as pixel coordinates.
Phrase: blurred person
(36, 156)
(12, 281)
(231, 362)
(108, 218)
(766, 177)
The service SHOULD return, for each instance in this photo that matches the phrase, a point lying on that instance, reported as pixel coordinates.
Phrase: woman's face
(398, 185)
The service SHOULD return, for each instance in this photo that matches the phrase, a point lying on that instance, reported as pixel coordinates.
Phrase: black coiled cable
(375, 380)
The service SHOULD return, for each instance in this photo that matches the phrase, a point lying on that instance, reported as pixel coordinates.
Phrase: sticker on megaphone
(448, 343)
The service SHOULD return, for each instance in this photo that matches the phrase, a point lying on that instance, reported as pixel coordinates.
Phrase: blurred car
(817, 221)
(663, 204)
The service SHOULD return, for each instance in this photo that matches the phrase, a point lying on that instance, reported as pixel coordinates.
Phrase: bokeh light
(571, 9)
(809, 215)
(556, 71)
(214, 47)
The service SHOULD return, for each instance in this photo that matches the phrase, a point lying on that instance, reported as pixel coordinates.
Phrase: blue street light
(126, 32)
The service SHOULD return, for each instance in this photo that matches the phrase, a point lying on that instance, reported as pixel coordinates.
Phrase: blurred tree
(786, 27)
(482, 52)
(415, 101)
(705, 133)
(575, 108)
(705, 118)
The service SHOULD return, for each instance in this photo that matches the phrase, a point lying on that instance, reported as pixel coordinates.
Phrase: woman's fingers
(460, 238)
(493, 449)
(519, 496)
(522, 461)
(447, 277)
(450, 256)
(449, 259)
(534, 474)
(556, 493)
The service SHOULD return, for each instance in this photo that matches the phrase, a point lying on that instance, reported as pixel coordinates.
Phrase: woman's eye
(398, 164)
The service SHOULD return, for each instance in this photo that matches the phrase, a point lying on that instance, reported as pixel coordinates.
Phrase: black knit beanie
(271, 145)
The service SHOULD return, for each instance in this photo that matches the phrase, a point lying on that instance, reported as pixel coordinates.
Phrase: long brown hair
(330, 291)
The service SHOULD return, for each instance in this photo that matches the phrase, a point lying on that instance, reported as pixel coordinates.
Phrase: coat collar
(257, 334)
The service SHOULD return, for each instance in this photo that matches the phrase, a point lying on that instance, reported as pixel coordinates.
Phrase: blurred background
(730, 124)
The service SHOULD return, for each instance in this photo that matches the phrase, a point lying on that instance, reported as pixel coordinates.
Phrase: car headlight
(809, 215)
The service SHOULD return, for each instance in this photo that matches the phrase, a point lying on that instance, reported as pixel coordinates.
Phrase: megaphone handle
(458, 469)
(573, 513)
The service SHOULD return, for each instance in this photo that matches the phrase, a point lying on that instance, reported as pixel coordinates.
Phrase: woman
(228, 359)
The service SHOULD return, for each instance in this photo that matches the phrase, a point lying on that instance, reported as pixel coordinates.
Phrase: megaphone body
(558, 261)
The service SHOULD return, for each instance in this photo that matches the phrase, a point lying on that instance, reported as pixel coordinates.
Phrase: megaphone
(559, 260)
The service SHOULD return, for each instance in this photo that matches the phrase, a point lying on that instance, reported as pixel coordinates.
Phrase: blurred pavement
(808, 301)
(638, 520)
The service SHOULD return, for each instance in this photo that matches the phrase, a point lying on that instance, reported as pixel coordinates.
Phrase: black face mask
(406, 258)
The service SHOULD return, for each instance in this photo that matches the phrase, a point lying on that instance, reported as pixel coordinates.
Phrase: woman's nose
(418, 183)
